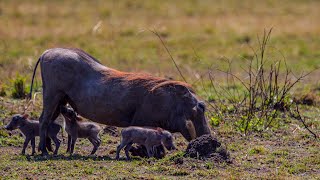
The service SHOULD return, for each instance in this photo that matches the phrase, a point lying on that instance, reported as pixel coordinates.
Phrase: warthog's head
(190, 114)
(16, 122)
(166, 139)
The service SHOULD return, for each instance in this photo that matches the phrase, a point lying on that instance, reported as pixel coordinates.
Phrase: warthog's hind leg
(51, 102)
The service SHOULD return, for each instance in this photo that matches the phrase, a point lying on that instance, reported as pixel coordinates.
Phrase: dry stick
(298, 117)
(206, 100)
(174, 62)
(202, 74)
(216, 92)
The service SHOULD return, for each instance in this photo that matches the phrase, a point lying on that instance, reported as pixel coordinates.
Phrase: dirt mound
(206, 147)
(141, 151)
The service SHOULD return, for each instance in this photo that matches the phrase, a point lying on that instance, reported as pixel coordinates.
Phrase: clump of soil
(141, 151)
(111, 130)
(207, 148)
(310, 99)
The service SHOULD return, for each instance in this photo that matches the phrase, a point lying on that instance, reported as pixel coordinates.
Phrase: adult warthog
(112, 97)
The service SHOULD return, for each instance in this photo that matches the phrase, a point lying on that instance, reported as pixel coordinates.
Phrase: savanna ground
(199, 34)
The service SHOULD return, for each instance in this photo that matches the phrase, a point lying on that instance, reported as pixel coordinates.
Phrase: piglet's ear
(25, 116)
(159, 130)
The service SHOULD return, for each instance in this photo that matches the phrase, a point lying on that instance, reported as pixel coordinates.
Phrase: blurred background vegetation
(198, 33)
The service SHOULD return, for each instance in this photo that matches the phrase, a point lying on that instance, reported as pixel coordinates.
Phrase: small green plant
(257, 150)
(181, 172)
(3, 91)
(18, 90)
(214, 121)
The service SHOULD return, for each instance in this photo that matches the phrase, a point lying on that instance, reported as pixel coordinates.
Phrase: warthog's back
(68, 66)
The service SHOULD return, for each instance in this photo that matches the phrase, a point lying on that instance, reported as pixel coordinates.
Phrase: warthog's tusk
(191, 129)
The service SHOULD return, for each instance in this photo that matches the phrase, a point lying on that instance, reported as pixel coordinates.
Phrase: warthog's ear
(182, 90)
(78, 118)
(25, 116)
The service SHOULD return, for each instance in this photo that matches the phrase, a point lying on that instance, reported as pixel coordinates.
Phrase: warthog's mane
(148, 81)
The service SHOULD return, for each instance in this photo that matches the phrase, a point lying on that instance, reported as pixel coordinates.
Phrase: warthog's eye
(202, 106)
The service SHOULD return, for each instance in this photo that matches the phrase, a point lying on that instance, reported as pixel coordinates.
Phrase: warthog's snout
(172, 148)
(8, 128)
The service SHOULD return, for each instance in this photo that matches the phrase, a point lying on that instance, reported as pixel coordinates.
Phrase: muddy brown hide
(115, 98)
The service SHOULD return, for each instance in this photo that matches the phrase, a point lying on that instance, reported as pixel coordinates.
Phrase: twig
(298, 117)
(174, 62)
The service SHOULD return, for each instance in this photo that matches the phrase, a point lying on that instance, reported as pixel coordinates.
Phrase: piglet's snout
(171, 148)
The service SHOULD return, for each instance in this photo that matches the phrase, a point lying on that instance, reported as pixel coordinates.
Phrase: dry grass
(117, 32)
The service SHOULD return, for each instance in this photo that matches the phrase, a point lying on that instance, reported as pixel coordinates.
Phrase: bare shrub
(259, 98)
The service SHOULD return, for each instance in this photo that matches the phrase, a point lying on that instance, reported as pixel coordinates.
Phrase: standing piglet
(148, 137)
(76, 128)
(30, 129)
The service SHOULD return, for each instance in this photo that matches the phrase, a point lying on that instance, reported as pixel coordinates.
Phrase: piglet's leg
(33, 144)
(149, 151)
(69, 143)
(122, 144)
(95, 144)
(127, 148)
(25, 144)
(73, 142)
(57, 142)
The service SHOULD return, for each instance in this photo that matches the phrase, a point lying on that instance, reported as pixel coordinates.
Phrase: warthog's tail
(34, 73)
(191, 129)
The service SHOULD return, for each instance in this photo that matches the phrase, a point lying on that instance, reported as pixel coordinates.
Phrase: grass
(198, 34)
(287, 152)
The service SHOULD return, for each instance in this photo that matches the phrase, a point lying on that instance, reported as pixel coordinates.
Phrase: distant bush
(18, 90)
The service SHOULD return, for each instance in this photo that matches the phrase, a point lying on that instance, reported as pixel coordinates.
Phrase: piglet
(77, 128)
(30, 129)
(148, 137)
